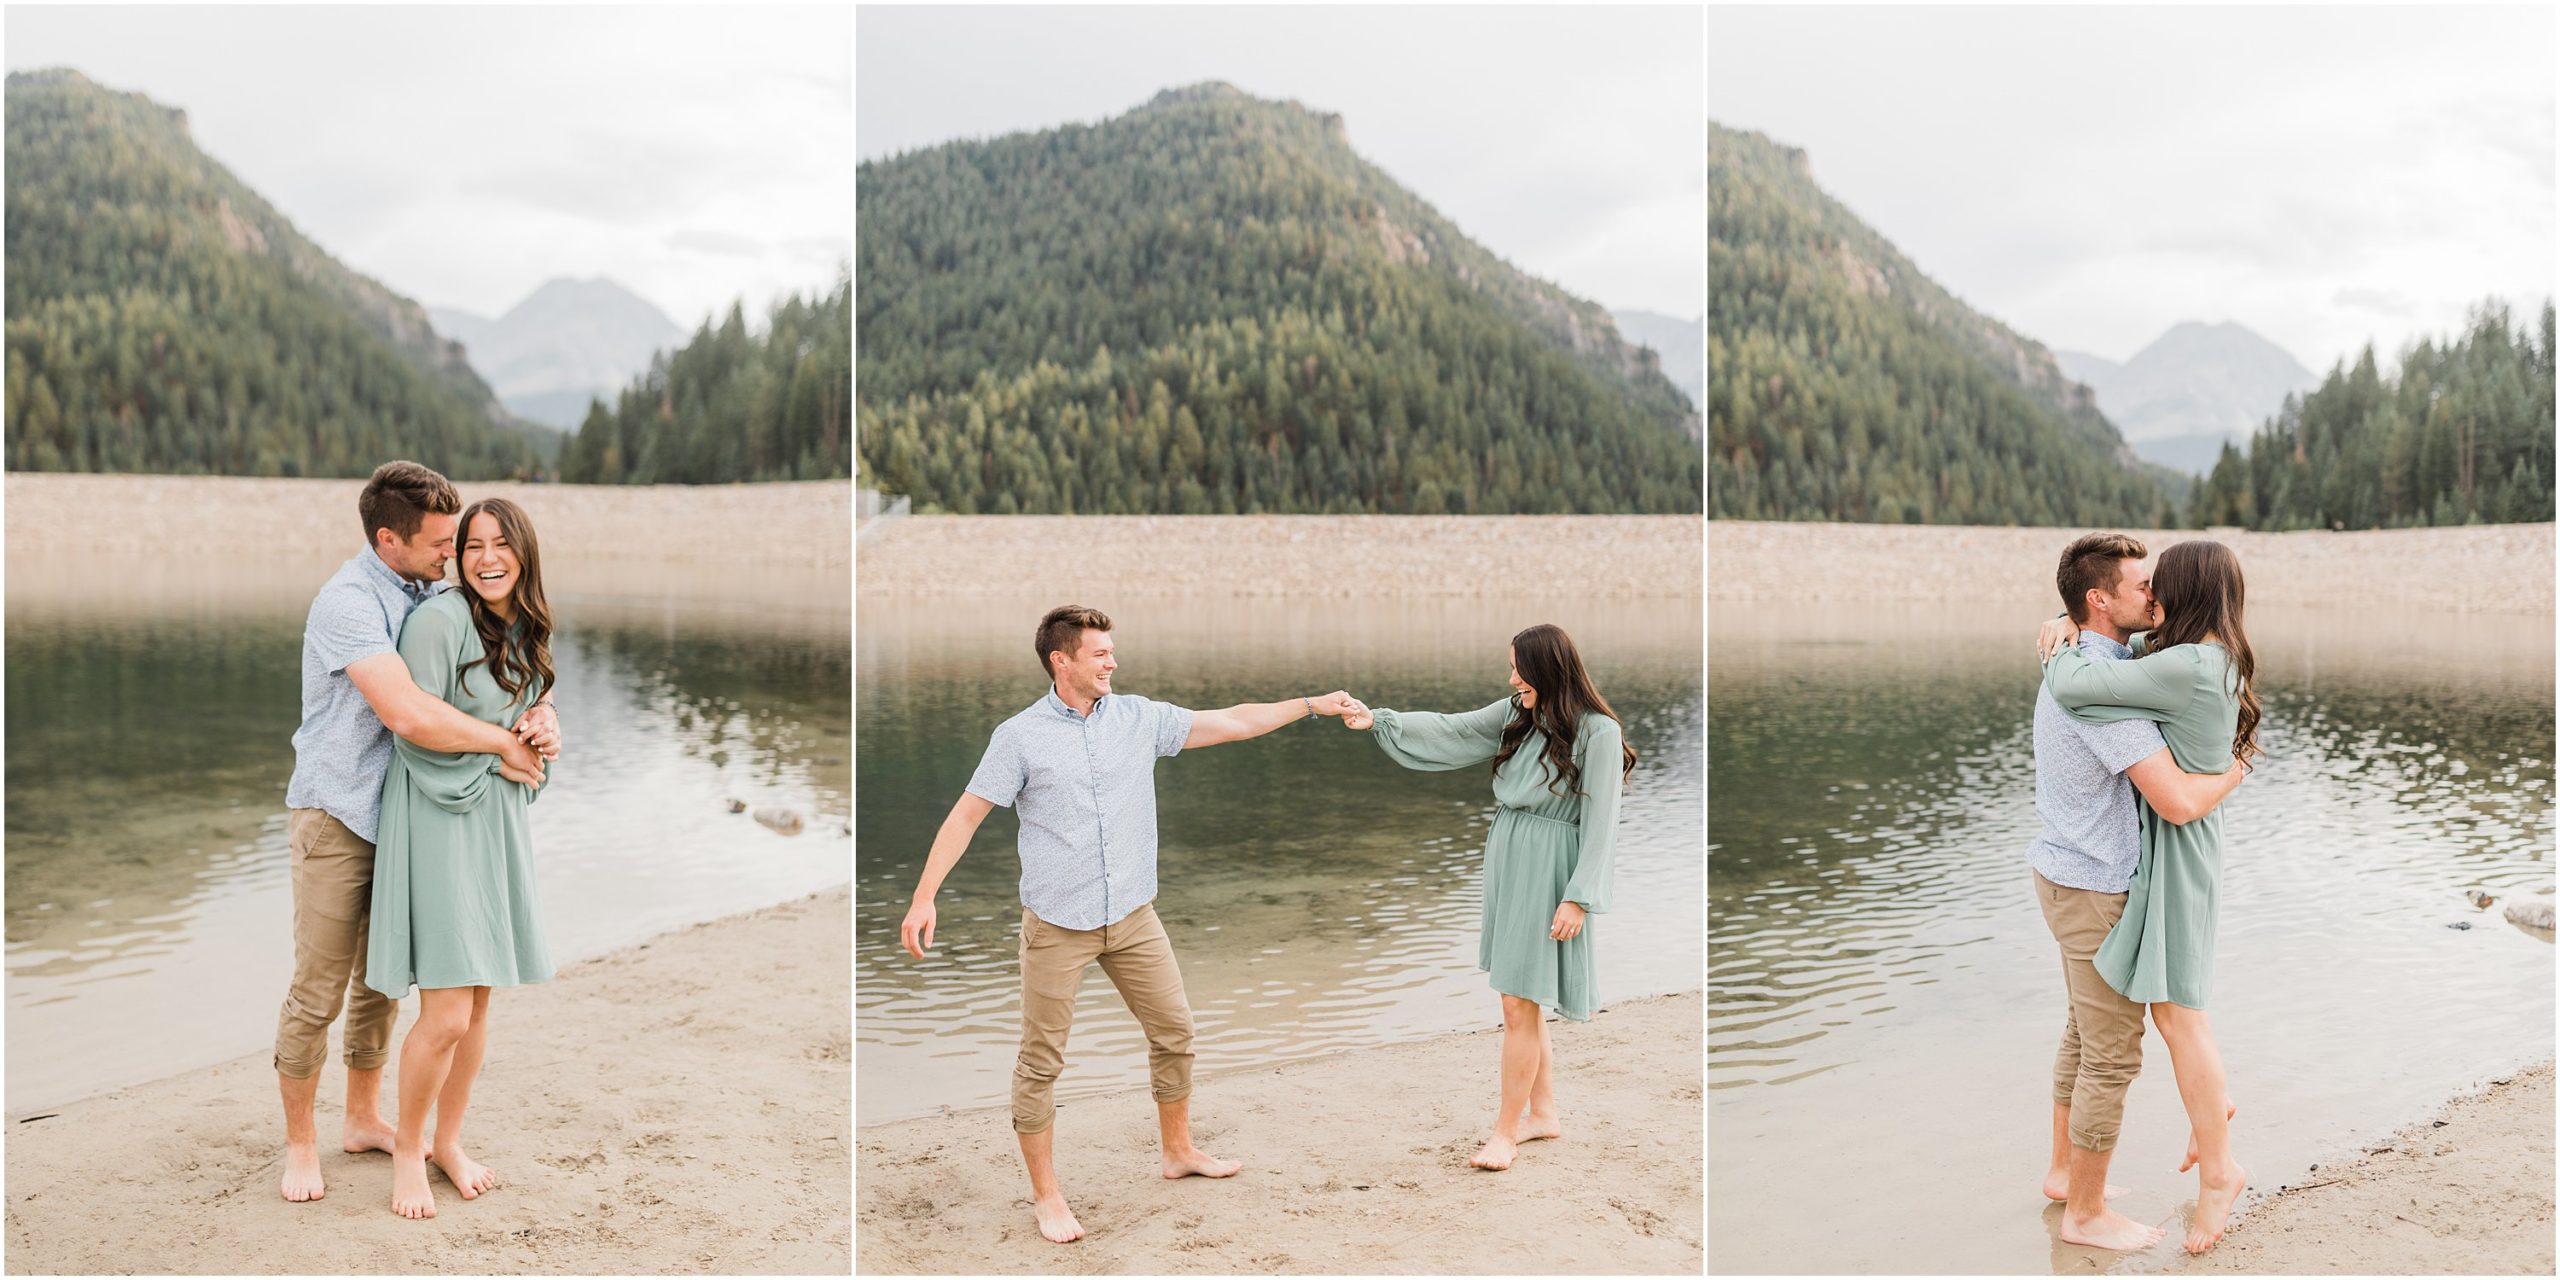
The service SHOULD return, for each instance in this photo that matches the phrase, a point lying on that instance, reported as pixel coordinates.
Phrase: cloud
(701, 240)
(2387, 302)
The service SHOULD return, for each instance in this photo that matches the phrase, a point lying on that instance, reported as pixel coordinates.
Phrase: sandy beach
(2468, 1192)
(1354, 1164)
(2487, 569)
(1312, 557)
(680, 1106)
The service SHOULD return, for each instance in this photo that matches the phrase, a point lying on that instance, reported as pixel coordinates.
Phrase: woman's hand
(539, 728)
(1358, 716)
(1568, 921)
(2055, 635)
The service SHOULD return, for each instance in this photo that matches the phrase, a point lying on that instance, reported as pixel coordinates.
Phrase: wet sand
(2481, 569)
(678, 1106)
(2468, 1192)
(1354, 1164)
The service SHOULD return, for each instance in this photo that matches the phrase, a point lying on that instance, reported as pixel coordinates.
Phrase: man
(1079, 767)
(356, 693)
(2084, 857)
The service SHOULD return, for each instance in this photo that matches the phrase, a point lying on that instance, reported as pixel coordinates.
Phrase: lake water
(1884, 1000)
(1319, 897)
(149, 742)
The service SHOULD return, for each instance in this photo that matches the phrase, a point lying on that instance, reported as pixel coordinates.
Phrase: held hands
(916, 933)
(520, 763)
(540, 729)
(1568, 921)
(2055, 635)
(1354, 712)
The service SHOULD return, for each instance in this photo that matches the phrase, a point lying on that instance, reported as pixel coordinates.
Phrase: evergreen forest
(161, 317)
(1844, 384)
(2460, 434)
(1212, 304)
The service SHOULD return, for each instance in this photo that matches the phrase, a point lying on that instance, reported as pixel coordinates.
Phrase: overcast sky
(463, 156)
(2091, 176)
(1567, 140)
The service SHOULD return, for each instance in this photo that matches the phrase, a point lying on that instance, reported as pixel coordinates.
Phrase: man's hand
(540, 728)
(2054, 636)
(1568, 921)
(916, 933)
(1336, 703)
(1359, 716)
(519, 762)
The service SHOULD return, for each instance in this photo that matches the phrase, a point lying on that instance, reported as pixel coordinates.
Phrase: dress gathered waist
(1532, 813)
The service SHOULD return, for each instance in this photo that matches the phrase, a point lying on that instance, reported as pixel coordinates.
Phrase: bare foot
(2213, 1209)
(1536, 1126)
(302, 1173)
(2229, 1110)
(2057, 1186)
(1496, 1153)
(1200, 1162)
(1057, 1222)
(410, 1195)
(2109, 1230)
(366, 1135)
(468, 1176)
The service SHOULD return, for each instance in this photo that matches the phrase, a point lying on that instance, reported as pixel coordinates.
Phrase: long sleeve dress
(453, 887)
(2162, 948)
(1544, 849)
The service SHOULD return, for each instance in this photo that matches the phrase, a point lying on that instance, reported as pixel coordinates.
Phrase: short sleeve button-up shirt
(2089, 832)
(1085, 789)
(342, 750)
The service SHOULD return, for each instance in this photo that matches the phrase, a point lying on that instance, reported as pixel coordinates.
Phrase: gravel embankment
(2495, 569)
(1296, 556)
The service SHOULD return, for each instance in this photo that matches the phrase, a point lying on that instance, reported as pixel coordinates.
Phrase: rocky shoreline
(2487, 569)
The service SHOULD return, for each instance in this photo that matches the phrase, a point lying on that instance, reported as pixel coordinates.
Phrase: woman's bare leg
(2205, 1091)
(1519, 1072)
(444, 1019)
(1542, 1121)
(469, 1176)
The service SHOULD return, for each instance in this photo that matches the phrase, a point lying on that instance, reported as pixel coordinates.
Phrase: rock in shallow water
(2530, 914)
(787, 822)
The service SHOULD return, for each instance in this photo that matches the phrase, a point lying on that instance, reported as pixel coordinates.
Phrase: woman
(454, 910)
(2195, 676)
(1559, 761)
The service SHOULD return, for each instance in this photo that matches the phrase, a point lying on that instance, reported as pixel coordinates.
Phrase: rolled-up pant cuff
(2088, 1141)
(368, 1061)
(300, 1070)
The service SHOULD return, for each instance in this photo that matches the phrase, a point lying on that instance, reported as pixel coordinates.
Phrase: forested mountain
(2461, 434)
(161, 317)
(1682, 344)
(566, 344)
(1213, 304)
(2191, 391)
(732, 405)
(1842, 384)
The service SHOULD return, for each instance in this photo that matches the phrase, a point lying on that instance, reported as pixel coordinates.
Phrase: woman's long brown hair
(2198, 585)
(1545, 657)
(521, 653)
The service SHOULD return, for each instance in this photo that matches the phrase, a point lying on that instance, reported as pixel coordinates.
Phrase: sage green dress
(1543, 850)
(453, 890)
(2162, 947)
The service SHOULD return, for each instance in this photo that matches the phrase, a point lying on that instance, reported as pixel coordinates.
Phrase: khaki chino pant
(1138, 957)
(2102, 1039)
(332, 907)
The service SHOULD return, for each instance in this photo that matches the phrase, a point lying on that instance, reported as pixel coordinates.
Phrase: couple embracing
(2148, 691)
(427, 728)
(1079, 767)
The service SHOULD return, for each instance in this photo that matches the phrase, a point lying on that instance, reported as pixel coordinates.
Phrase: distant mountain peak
(2194, 387)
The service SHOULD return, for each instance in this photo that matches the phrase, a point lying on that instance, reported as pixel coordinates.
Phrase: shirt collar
(2104, 646)
(1055, 703)
(414, 590)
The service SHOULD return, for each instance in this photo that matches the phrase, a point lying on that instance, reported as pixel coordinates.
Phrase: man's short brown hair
(399, 497)
(1062, 631)
(2094, 561)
